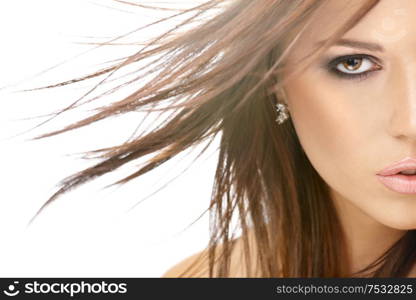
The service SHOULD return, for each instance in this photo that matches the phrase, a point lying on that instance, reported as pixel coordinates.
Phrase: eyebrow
(356, 44)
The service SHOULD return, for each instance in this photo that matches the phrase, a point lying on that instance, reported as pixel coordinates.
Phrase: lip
(405, 164)
(405, 184)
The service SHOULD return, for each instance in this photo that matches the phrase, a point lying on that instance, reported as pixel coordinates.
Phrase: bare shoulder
(197, 265)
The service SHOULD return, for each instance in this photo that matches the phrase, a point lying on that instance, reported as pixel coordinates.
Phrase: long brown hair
(221, 77)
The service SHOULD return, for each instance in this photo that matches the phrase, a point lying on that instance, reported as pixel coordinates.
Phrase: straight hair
(221, 77)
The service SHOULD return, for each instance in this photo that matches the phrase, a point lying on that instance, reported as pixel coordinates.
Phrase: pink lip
(405, 184)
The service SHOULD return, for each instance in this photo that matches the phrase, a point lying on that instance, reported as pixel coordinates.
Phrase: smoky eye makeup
(352, 67)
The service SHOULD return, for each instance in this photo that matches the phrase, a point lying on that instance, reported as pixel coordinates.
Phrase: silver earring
(283, 113)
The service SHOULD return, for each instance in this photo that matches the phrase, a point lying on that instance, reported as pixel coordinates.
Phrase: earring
(281, 108)
(283, 113)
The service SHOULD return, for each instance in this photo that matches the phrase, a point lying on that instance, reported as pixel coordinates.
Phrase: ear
(281, 95)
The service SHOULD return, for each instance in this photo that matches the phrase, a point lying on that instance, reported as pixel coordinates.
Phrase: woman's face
(355, 117)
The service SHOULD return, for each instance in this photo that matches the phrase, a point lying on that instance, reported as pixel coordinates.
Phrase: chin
(401, 223)
(398, 214)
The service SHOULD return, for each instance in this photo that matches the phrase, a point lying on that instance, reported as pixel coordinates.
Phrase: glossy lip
(405, 184)
(405, 164)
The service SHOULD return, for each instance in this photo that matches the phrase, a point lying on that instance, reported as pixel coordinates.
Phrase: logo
(390, 30)
(11, 291)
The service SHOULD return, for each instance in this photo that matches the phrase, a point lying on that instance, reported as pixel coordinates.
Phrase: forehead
(389, 22)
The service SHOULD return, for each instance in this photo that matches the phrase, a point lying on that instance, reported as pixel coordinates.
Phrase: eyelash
(332, 67)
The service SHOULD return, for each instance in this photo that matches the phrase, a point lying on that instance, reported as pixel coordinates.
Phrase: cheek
(333, 132)
(341, 128)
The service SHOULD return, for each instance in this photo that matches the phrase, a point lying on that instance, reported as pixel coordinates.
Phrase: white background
(89, 231)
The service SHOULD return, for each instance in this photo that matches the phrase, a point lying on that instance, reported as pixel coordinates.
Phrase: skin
(350, 129)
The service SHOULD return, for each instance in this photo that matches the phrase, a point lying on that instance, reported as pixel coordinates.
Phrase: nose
(403, 114)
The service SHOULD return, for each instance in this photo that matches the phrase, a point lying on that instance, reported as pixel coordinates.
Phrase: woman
(315, 104)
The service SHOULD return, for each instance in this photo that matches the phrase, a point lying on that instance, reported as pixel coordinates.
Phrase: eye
(358, 66)
(355, 65)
